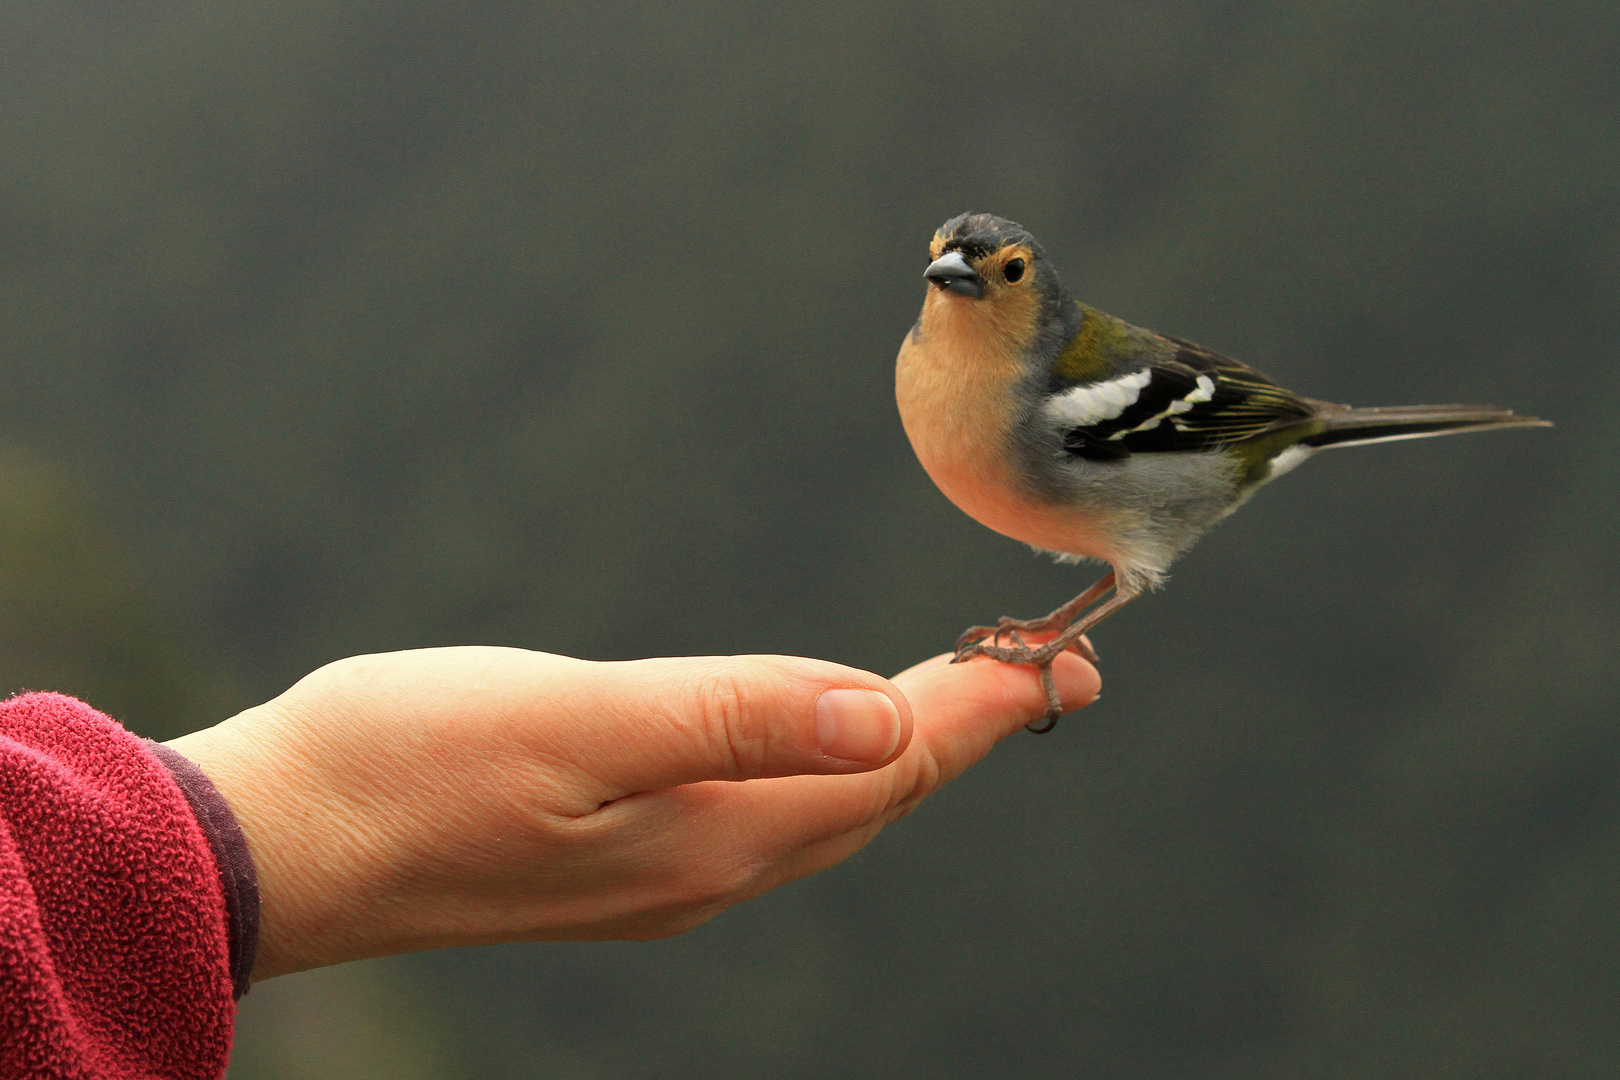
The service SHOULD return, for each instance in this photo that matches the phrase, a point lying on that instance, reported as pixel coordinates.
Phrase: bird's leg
(1057, 620)
(1043, 656)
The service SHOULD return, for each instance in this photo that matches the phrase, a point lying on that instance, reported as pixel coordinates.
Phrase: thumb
(661, 723)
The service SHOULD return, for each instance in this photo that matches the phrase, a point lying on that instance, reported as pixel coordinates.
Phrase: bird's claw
(1021, 653)
(971, 637)
(976, 639)
(1003, 624)
(1069, 623)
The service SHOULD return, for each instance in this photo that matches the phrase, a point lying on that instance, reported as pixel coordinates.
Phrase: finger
(964, 709)
(942, 660)
(652, 724)
(961, 711)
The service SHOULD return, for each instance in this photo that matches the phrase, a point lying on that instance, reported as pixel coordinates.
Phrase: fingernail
(857, 725)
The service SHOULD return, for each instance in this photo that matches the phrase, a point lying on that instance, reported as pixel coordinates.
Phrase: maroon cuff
(231, 854)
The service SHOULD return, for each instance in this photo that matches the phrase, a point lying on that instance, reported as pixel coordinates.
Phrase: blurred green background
(345, 326)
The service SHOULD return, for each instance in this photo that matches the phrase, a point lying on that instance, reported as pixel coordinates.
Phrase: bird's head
(988, 276)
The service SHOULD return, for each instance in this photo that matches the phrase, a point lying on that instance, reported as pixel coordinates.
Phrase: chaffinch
(1089, 438)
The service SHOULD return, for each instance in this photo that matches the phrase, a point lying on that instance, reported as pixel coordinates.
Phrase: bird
(1091, 439)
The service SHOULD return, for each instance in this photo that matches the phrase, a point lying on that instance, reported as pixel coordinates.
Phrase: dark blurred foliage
(76, 616)
(362, 326)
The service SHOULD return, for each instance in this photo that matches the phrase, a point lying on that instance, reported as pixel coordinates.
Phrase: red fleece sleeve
(114, 958)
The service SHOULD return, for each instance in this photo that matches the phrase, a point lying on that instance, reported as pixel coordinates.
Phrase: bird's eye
(1013, 270)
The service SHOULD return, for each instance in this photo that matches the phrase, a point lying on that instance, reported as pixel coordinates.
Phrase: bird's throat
(953, 383)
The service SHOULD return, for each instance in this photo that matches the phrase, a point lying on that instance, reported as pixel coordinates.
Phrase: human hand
(462, 796)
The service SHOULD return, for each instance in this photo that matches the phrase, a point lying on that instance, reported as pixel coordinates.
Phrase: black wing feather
(1242, 403)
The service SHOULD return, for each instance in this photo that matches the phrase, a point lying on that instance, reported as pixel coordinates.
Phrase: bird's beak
(952, 272)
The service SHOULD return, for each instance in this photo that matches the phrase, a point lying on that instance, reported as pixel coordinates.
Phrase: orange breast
(952, 382)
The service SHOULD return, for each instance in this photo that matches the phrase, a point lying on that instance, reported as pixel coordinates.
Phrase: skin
(465, 796)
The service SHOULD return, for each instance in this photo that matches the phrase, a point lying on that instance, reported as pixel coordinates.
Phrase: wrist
(309, 873)
(226, 841)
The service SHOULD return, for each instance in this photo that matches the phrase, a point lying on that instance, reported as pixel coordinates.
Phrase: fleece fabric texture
(114, 954)
(231, 855)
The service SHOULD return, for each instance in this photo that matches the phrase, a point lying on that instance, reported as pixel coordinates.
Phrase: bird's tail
(1351, 427)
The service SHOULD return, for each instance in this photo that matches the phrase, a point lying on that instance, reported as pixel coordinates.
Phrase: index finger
(960, 711)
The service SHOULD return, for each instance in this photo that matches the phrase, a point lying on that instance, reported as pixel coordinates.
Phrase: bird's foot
(1040, 657)
(976, 638)
(1068, 625)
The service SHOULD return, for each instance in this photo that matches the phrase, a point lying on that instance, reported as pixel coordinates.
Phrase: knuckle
(929, 775)
(732, 715)
(729, 882)
(715, 887)
(720, 875)
(926, 775)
